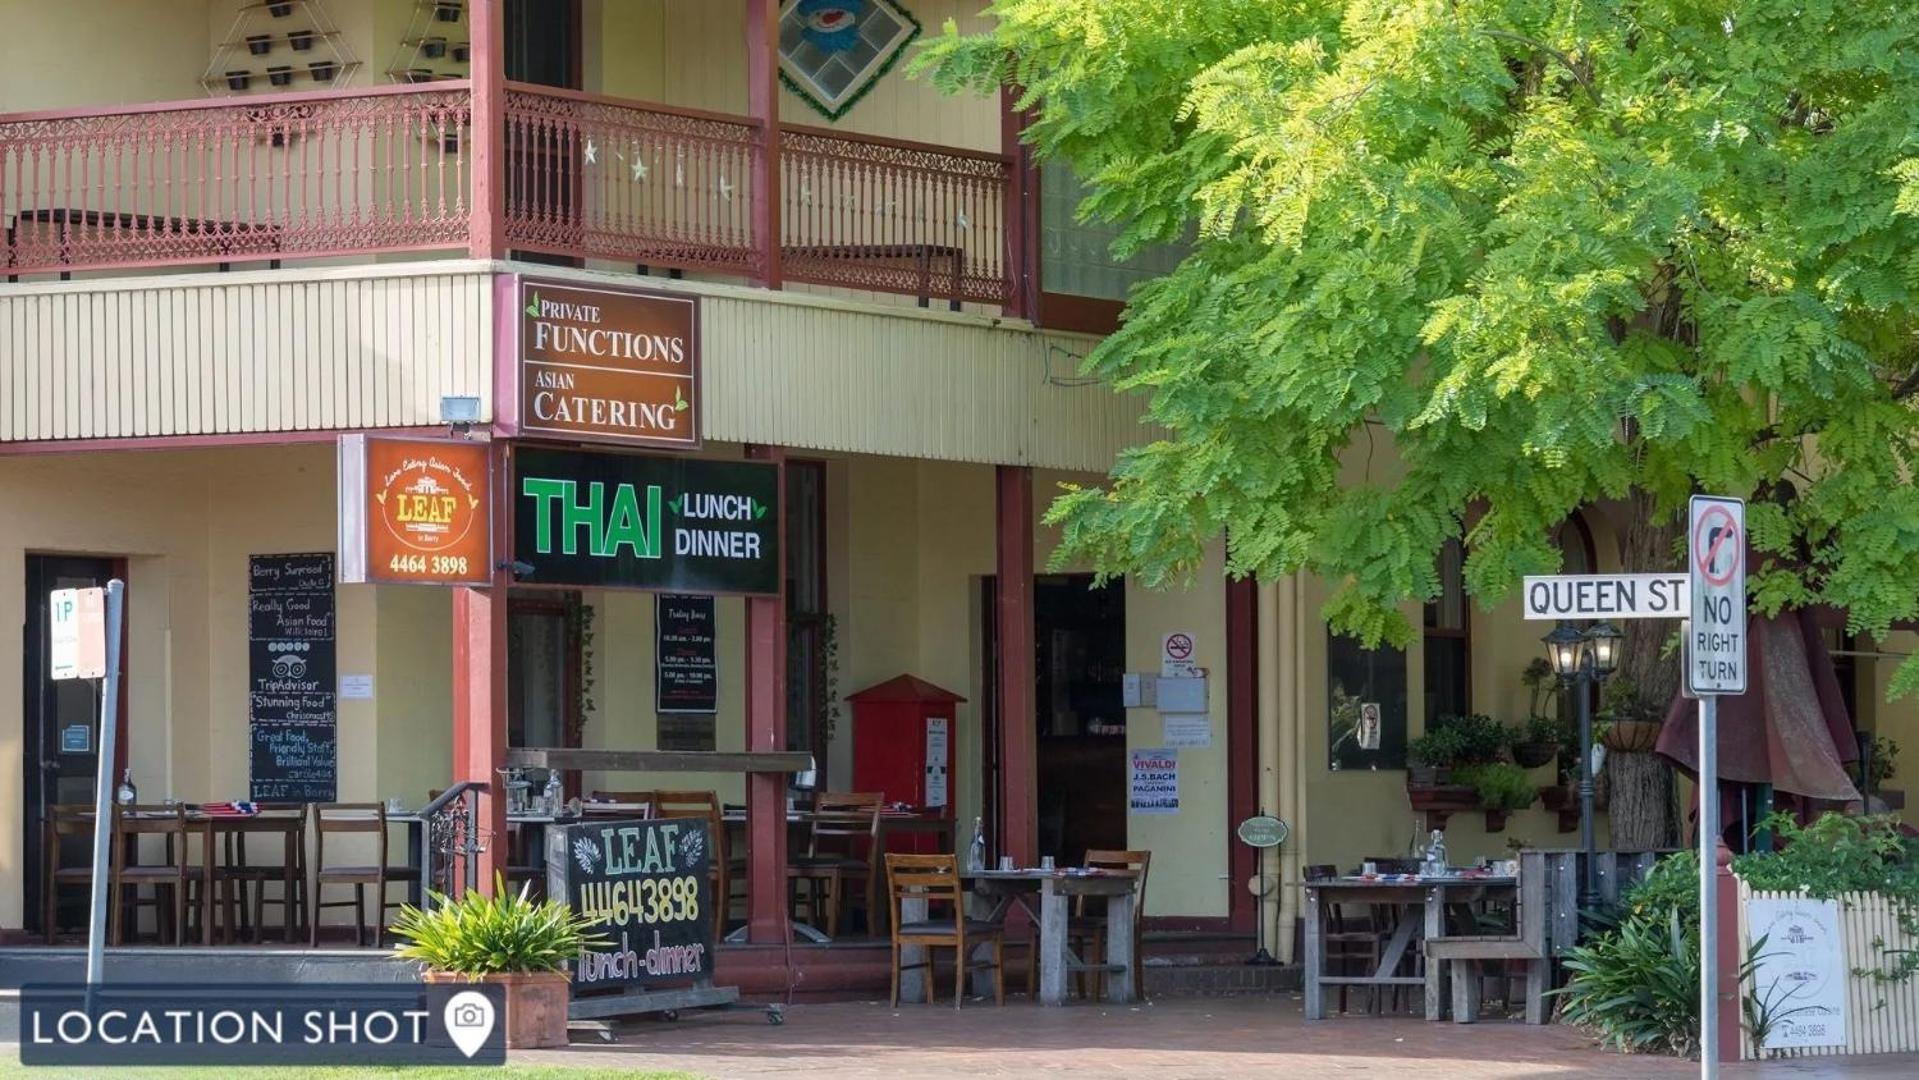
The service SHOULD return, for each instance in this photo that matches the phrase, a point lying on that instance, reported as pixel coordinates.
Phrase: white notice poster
(936, 760)
(1154, 782)
(1188, 729)
(1801, 977)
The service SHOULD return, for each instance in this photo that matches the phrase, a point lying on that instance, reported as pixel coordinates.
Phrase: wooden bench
(1466, 954)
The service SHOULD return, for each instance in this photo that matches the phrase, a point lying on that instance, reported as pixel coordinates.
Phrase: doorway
(61, 721)
(1080, 642)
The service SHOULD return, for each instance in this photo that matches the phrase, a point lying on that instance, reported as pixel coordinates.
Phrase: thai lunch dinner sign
(633, 521)
(646, 888)
(618, 365)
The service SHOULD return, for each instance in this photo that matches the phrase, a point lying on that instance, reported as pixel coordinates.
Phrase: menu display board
(645, 886)
(292, 709)
(685, 667)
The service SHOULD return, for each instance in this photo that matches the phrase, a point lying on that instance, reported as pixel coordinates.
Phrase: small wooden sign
(615, 365)
(414, 511)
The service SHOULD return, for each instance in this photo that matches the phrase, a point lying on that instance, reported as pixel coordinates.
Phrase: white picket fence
(1882, 1017)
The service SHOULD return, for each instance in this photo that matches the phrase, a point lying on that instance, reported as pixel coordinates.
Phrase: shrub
(480, 935)
(1474, 739)
(1500, 786)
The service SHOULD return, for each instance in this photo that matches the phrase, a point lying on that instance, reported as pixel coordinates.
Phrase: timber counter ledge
(569, 758)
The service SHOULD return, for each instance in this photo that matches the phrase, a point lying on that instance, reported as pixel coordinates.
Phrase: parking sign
(1716, 564)
(77, 636)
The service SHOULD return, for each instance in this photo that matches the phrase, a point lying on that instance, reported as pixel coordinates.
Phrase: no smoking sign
(1716, 558)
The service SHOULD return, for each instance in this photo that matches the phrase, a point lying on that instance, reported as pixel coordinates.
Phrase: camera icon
(469, 1018)
(468, 1014)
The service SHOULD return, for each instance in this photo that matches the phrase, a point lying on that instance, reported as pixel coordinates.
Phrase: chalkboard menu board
(644, 885)
(292, 713)
(685, 669)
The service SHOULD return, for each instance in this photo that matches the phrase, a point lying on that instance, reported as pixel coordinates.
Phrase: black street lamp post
(1582, 658)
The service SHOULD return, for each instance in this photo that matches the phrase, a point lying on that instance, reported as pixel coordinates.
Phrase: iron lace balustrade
(450, 829)
(627, 181)
(236, 179)
(894, 216)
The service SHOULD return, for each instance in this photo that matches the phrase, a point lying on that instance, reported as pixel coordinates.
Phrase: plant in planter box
(504, 939)
(1538, 740)
(1502, 788)
(1454, 741)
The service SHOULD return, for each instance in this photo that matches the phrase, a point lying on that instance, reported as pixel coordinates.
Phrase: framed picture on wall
(1366, 706)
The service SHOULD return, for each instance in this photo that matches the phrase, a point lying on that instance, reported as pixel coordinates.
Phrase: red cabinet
(903, 746)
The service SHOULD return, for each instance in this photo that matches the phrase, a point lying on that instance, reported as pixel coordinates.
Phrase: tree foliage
(1550, 251)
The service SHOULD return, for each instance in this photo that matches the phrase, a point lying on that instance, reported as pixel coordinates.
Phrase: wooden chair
(178, 876)
(1527, 945)
(704, 804)
(1090, 929)
(353, 818)
(641, 799)
(1353, 941)
(845, 835)
(63, 819)
(235, 878)
(934, 879)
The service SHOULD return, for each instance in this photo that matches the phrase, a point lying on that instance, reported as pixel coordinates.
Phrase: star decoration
(639, 169)
(592, 152)
(726, 187)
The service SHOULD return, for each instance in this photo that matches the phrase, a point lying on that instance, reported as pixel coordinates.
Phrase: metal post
(103, 788)
(1588, 881)
(1708, 887)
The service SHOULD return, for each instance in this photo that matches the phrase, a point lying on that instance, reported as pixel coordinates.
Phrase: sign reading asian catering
(414, 511)
(616, 365)
(601, 519)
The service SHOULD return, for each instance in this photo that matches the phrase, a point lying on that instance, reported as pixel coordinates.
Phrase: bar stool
(353, 818)
(176, 876)
(63, 820)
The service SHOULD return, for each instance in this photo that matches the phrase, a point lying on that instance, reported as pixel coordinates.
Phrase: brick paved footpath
(1173, 1038)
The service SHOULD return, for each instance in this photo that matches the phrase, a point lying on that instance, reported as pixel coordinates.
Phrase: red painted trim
(1080, 314)
(479, 676)
(766, 913)
(202, 442)
(120, 571)
(763, 104)
(1242, 746)
(486, 216)
(506, 355)
(251, 101)
(1726, 893)
(1017, 715)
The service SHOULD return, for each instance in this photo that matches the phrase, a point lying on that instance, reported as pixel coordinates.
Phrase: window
(1448, 672)
(1081, 286)
(810, 664)
(539, 673)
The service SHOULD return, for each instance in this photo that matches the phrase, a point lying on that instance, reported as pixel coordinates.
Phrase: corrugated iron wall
(214, 354)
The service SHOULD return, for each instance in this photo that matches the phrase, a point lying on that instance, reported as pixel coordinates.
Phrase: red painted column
(1018, 720)
(763, 105)
(486, 213)
(479, 676)
(1242, 747)
(766, 730)
(1730, 1012)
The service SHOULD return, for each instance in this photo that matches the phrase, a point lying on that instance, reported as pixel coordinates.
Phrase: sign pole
(103, 787)
(1708, 887)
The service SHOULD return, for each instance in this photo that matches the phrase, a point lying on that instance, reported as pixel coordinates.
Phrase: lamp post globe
(1564, 647)
(1602, 644)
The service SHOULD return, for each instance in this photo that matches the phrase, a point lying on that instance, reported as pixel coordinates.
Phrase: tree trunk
(1643, 812)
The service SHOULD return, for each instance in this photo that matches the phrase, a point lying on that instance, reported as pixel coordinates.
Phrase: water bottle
(554, 794)
(976, 851)
(126, 794)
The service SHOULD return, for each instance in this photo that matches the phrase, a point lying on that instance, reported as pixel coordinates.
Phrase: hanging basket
(1631, 736)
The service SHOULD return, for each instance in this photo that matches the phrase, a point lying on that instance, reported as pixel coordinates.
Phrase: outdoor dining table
(1424, 902)
(210, 826)
(997, 892)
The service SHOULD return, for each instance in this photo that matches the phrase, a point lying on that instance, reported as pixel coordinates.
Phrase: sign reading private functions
(645, 886)
(634, 521)
(292, 711)
(619, 365)
(414, 511)
(1605, 596)
(1716, 638)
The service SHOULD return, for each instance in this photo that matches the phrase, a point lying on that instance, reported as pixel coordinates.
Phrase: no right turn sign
(1716, 564)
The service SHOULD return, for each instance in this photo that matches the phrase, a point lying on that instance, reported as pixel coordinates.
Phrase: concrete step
(1219, 979)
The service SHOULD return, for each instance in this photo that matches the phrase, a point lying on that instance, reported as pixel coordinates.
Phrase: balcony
(271, 179)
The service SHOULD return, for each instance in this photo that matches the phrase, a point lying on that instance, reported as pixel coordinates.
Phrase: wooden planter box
(535, 1006)
(1440, 801)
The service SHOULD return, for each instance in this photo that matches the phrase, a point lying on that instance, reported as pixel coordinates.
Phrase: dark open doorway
(1080, 638)
(62, 727)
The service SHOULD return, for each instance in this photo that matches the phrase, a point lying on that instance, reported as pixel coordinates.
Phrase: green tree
(1552, 251)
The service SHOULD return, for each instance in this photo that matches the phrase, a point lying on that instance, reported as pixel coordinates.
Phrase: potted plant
(259, 44)
(1501, 788)
(301, 40)
(1621, 724)
(433, 47)
(462, 51)
(239, 80)
(1882, 759)
(1450, 745)
(323, 70)
(280, 74)
(1538, 739)
(447, 10)
(280, 9)
(506, 940)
